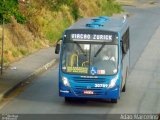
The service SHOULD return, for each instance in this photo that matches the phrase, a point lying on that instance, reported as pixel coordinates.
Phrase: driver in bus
(109, 56)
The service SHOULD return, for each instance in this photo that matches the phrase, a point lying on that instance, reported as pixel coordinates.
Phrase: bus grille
(88, 80)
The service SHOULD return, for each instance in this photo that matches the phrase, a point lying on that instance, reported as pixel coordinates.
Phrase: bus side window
(125, 42)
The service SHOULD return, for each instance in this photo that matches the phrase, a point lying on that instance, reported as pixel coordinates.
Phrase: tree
(9, 8)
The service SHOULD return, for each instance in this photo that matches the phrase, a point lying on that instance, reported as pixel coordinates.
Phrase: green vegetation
(56, 15)
(109, 7)
(9, 8)
(39, 23)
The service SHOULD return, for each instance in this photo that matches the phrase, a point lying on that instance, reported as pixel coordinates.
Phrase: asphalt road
(143, 23)
(41, 96)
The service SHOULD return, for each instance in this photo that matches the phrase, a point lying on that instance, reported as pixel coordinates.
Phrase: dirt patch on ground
(138, 4)
(148, 4)
(127, 2)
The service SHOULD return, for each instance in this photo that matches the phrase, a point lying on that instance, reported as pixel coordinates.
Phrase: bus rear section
(91, 64)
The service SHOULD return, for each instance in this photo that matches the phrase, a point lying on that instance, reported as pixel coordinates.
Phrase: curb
(39, 70)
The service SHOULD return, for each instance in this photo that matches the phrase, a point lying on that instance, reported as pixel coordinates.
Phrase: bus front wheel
(113, 100)
(124, 88)
(68, 99)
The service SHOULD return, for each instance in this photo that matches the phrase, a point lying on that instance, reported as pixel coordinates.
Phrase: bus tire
(114, 100)
(124, 87)
(68, 99)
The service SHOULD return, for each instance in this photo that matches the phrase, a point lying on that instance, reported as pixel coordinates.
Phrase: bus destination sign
(92, 37)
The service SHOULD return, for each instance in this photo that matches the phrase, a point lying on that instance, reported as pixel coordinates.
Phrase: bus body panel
(77, 87)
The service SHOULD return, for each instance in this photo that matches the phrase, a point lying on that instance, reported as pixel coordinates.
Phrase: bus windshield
(89, 59)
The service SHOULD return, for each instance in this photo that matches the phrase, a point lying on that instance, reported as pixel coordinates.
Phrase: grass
(109, 8)
(18, 42)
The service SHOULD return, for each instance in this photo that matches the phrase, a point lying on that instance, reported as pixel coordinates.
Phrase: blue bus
(94, 59)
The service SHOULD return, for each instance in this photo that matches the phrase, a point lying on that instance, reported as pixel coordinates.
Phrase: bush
(20, 18)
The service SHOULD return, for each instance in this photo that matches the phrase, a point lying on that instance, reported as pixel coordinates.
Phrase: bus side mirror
(58, 45)
(57, 48)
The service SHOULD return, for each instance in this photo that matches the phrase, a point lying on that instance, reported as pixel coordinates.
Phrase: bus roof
(114, 24)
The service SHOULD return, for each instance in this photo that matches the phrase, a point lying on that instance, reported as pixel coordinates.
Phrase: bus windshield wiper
(80, 48)
(99, 50)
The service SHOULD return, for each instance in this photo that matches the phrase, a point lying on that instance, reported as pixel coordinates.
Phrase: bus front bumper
(105, 93)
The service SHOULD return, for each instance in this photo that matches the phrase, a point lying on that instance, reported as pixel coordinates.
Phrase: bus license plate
(88, 92)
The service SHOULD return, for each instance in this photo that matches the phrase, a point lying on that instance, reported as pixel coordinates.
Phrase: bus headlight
(65, 81)
(113, 82)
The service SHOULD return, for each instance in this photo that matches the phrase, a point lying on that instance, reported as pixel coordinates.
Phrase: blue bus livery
(94, 59)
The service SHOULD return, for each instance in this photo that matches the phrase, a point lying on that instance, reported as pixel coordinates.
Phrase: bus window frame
(89, 58)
